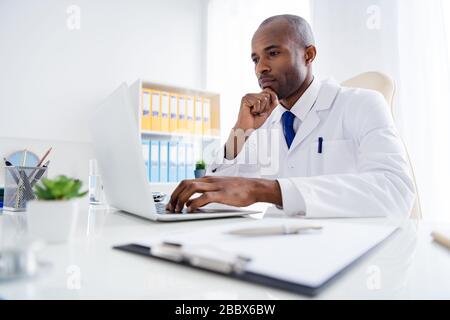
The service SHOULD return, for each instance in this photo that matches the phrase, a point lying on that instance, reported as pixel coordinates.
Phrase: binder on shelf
(181, 161)
(146, 157)
(206, 116)
(154, 161)
(163, 108)
(198, 116)
(165, 112)
(145, 114)
(182, 126)
(163, 161)
(190, 124)
(173, 161)
(190, 164)
(156, 111)
(173, 111)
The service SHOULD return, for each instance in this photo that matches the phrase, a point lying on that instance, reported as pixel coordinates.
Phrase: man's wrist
(266, 190)
(238, 126)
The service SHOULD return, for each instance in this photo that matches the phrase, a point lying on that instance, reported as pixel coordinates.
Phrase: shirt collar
(303, 105)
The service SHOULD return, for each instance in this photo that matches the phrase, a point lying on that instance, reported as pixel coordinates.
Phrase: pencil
(43, 158)
(39, 164)
(441, 239)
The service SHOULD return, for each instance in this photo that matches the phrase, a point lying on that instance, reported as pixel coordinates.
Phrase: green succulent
(60, 188)
(200, 165)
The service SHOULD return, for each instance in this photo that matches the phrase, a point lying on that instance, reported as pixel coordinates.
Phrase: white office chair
(385, 85)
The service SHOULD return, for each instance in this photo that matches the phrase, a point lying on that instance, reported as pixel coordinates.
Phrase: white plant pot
(52, 221)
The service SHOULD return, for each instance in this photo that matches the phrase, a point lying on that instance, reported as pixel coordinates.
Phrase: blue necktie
(288, 127)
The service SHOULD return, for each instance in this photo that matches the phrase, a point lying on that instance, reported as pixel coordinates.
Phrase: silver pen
(273, 230)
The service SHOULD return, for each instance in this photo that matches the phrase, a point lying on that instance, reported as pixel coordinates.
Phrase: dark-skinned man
(321, 150)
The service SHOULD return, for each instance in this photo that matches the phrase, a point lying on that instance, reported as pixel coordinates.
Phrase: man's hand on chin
(234, 191)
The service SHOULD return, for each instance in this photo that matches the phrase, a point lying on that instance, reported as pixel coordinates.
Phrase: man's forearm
(235, 143)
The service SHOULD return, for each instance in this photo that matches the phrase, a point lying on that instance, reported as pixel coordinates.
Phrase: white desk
(408, 265)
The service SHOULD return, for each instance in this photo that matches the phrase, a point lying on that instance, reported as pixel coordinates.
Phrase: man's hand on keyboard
(235, 191)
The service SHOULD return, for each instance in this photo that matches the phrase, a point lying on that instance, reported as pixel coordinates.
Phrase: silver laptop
(117, 147)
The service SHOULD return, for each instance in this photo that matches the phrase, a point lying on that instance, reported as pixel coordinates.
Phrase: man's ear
(310, 54)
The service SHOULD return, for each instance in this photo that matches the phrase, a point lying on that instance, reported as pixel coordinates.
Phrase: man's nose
(262, 67)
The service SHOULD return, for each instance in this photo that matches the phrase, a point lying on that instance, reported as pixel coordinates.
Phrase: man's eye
(255, 60)
(274, 53)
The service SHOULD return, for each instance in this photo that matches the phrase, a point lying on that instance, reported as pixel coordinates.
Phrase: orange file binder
(145, 113)
(190, 124)
(198, 116)
(165, 112)
(182, 126)
(206, 116)
(156, 111)
(173, 113)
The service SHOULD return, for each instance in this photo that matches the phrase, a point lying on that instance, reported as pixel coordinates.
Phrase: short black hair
(302, 29)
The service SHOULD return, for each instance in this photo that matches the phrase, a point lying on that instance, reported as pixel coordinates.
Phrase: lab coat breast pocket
(337, 157)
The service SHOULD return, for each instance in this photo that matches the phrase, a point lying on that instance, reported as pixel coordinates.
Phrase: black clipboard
(243, 276)
(257, 278)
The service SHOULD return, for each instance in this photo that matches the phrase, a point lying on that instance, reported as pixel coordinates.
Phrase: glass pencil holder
(19, 184)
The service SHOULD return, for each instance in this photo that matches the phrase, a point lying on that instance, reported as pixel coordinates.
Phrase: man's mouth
(266, 82)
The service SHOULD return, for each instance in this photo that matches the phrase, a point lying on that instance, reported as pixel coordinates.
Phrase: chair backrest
(375, 81)
(385, 85)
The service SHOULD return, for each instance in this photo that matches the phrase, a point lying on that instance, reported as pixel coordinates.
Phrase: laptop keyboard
(161, 208)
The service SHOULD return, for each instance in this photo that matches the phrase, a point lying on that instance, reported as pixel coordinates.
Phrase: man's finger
(273, 97)
(267, 102)
(209, 179)
(254, 107)
(258, 106)
(250, 102)
(194, 187)
(203, 200)
(173, 198)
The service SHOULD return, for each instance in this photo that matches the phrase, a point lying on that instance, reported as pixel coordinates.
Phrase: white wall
(355, 37)
(51, 75)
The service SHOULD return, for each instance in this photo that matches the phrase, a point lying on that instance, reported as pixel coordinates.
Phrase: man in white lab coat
(314, 149)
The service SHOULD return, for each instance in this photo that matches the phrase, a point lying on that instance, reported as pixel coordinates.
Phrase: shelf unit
(200, 142)
(174, 135)
(136, 90)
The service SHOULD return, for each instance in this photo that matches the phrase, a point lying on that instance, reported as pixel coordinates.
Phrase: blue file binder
(164, 161)
(190, 162)
(173, 161)
(146, 156)
(154, 161)
(181, 161)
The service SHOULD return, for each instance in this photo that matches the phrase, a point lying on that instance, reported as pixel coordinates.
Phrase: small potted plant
(53, 215)
(200, 169)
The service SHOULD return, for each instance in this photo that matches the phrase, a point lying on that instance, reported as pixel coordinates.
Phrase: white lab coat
(361, 172)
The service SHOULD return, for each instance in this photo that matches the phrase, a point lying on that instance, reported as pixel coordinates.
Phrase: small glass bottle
(95, 184)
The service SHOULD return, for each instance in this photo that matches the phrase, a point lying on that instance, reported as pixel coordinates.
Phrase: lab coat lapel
(325, 100)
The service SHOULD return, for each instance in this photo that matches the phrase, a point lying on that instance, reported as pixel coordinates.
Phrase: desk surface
(409, 265)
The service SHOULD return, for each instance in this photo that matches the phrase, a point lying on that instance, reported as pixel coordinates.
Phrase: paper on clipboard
(309, 259)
